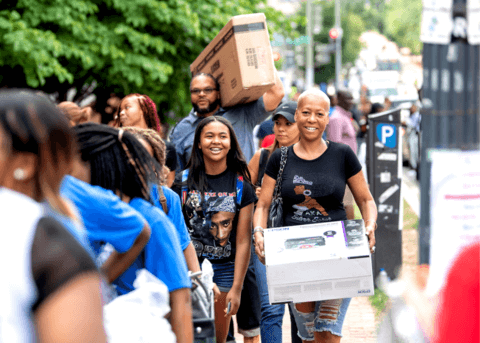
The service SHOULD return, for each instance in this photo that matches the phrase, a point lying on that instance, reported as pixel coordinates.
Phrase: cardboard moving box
(240, 57)
(318, 262)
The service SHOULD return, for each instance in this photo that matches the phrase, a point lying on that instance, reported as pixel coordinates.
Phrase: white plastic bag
(139, 316)
(207, 274)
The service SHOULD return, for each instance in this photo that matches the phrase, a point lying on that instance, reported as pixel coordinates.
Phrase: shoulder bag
(262, 164)
(275, 217)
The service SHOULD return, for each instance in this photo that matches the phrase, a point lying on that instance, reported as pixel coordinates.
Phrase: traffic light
(334, 33)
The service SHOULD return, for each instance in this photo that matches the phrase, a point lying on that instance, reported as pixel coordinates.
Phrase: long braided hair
(148, 108)
(158, 146)
(118, 161)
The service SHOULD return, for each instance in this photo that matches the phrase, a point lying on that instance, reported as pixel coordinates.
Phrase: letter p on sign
(387, 135)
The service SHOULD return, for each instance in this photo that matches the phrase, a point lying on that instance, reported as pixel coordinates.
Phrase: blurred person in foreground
(115, 160)
(451, 315)
(50, 284)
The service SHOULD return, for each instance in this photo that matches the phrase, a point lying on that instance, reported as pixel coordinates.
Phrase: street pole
(309, 64)
(338, 45)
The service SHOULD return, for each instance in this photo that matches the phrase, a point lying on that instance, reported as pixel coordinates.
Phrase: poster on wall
(454, 209)
(473, 20)
(437, 22)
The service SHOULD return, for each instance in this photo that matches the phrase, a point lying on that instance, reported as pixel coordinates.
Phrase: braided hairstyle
(118, 161)
(148, 108)
(158, 146)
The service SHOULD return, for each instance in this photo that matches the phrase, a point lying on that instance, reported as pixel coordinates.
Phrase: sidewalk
(411, 190)
(359, 325)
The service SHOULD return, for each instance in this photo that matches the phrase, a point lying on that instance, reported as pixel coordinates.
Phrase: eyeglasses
(207, 91)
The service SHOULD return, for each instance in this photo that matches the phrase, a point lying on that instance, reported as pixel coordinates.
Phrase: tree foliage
(399, 20)
(116, 46)
(402, 23)
(352, 25)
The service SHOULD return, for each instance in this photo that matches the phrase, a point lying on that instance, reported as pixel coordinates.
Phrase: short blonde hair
(316, 93)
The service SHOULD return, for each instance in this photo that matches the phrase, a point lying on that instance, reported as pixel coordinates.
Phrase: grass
(380, 300)
(410, 219)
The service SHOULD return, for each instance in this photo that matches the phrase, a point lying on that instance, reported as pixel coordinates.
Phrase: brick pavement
(359, 325)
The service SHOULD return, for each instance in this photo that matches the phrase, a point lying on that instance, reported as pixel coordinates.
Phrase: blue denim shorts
(328, 316)
(223, 275)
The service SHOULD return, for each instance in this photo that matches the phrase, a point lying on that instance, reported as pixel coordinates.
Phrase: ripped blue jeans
(328, 316)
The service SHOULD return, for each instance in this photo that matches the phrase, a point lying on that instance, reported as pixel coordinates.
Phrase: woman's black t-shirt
(313, 191)
(212, 223)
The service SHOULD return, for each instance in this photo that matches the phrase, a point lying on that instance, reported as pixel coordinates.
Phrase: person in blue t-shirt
(163, 197)
(107, 219)
(163, 246)
(116, 160)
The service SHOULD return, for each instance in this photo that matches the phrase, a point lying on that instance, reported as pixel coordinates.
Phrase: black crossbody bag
(275, 217)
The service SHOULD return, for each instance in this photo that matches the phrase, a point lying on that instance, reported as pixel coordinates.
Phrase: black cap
(286, 109)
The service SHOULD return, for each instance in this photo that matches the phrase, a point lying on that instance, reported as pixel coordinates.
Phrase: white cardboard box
(318, 262)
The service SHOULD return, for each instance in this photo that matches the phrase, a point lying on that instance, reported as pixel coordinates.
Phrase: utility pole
(309, 64)
(338, 45)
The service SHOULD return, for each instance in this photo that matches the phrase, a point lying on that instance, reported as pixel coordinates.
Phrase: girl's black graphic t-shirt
(212, 222)
(313, 191)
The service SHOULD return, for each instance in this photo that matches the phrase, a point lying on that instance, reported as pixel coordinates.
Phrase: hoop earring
(307, 192)
(19, 174)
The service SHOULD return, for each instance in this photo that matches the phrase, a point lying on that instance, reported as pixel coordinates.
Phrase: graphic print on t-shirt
(211, 223)
(309, 210)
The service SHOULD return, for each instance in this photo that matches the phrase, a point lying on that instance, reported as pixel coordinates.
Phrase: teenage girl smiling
(218, 199)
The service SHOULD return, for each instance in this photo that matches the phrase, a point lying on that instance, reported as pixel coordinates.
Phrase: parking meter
(384, 169)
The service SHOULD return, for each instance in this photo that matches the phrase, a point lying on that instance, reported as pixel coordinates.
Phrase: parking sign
(387, 135)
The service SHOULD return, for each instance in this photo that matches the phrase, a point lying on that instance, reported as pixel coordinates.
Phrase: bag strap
(283, 162)
(239, 189)
(184, 186)
(262, 165)
(163, 199)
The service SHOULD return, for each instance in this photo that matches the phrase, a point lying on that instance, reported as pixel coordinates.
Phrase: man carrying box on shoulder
(205, 97)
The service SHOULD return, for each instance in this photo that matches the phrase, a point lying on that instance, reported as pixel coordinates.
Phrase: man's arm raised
(272, 97)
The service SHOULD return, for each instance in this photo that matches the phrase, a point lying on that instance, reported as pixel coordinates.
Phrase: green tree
(402, 23)
(112, 46)
(371, 12)
(352, 25)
